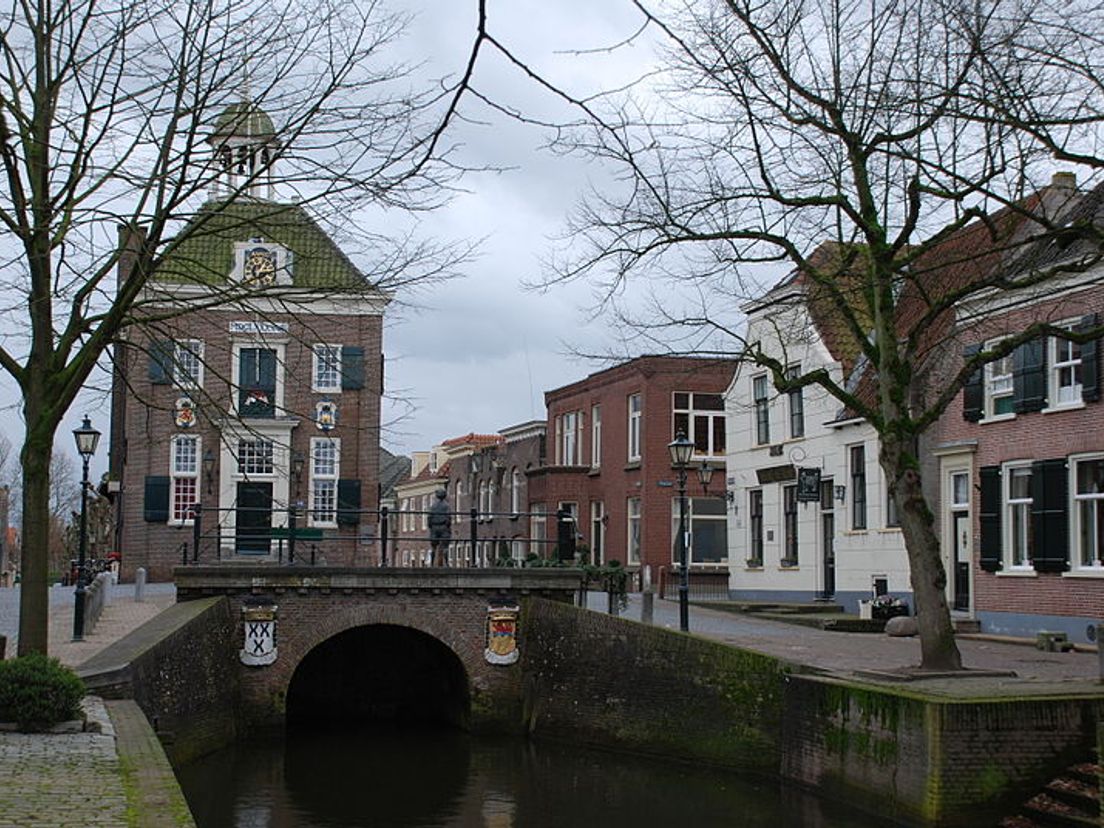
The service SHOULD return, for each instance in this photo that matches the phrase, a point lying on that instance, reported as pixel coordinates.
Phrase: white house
(810, 516)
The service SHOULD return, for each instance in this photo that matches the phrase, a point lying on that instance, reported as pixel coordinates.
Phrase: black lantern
(681, 450)
(87, 439)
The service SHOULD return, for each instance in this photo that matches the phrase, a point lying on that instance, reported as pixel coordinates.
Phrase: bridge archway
(372, 663)
(379, 672)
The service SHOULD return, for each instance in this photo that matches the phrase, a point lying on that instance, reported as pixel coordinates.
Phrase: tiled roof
(475, 440)
(206, 253)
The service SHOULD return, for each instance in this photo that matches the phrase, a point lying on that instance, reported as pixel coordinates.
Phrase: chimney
(1064, 181)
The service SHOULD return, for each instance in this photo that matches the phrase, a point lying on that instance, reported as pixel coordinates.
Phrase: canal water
(404, 778)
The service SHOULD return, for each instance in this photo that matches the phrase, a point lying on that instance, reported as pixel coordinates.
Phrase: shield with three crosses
(259, 647)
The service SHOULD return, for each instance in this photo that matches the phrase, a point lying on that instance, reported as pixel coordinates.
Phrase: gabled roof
(205, 254)
(474, 440)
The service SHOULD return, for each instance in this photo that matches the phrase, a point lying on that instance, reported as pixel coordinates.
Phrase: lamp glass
(681, 449)
(705, 473)
(87, 438)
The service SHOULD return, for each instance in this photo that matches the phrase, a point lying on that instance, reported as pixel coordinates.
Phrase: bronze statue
(440, 528)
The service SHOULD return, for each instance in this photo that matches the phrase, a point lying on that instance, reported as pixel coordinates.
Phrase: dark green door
(254, 519)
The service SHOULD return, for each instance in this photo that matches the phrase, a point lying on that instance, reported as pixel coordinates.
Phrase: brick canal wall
(182, 670)
(601, 680)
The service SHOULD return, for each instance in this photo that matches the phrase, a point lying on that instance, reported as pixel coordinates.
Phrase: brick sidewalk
(119, 617)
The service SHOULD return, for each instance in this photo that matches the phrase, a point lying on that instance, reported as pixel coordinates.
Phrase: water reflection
(447, 779)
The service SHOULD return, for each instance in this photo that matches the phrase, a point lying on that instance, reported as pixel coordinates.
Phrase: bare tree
(104, 113)
(893, 131)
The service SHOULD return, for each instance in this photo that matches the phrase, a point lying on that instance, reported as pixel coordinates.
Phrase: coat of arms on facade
(501, 634)
(184, 413)
(259, 647)
(326, 415)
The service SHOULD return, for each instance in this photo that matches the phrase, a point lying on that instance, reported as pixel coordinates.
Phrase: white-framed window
(960, 490)
(1065, 370)
(515, 491)
(632, 549)
(457, 515)
(484, 498)
(789, 526)
(701, 418)
(1018, 527)
(597, 532)
(760, 395)
(636, 414)
(595, 436)
(755, 527)
(538, 530)
(255, 457)
(1088, 508)
(258, 378)
(796, 400)
(998, 385)
(184, 453)
(188, 363)
(325, 463)
(405, 506)
(707, 525)
(425, 512)
(326, 369)
(567, 438)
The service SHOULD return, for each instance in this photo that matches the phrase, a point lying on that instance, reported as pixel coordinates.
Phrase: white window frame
(235, 372)
(187, 375)
(178, 476)
(997, 386)
(568, 427)
(1056, 367)
(854, 474)
(597, 532)
(326, 358)
(323, 478)
(1008, 505)
(693, 413)
(1077, 553)
(798, 410)
(515, 491)
(635, 405)
(595, 436)
(760, 409)
(692, 516)
(633, 520)
(257, 447)
(538, 529)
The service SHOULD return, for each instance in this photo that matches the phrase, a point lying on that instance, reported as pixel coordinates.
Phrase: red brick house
(252, 387)
(1016, 465)
(609, 465)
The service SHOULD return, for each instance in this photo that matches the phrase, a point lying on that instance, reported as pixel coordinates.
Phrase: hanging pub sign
(501, 633)
(259, 622)
(808, 485)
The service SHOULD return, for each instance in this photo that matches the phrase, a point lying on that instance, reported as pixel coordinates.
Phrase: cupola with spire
(245, 146)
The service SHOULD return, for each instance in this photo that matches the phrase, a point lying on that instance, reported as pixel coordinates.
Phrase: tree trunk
(938, 650)
(34, 606)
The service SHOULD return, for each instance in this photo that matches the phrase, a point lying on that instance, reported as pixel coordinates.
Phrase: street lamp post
(87, 439)
(681, 450)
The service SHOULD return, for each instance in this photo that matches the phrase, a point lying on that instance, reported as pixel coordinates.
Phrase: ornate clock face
(259, 267)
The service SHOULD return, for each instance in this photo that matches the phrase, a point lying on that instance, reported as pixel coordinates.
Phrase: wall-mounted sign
(808, 485)
(325, 416)
(259, 647)
(259, 328)
(501, 634)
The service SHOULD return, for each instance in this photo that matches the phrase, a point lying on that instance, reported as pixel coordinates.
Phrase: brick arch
(295, 641)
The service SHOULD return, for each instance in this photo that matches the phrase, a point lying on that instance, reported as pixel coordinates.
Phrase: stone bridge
(358, 643)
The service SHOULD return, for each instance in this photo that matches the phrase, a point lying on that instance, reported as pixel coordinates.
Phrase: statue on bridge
(440, 527)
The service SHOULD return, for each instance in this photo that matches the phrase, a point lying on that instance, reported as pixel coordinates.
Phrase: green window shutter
(1029, 377)
(348, 502)
(1050, 515)
(990, 516)
(156, 504)
(973, 392)
(1090, 361)
(160, 361)
(352, 368)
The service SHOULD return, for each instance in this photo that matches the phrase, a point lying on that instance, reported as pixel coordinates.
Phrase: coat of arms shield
(259, 647)
(501, 634)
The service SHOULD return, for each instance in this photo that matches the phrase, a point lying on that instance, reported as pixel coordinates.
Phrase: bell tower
(245, 146)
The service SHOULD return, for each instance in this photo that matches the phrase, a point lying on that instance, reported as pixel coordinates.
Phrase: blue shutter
(973, 392)
(352, 368)
(1050, 515)
(1029, 376)
(156, 505)
(990, 518)
(348, 502)
(160, 361)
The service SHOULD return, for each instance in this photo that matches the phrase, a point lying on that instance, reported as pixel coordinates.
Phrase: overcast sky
(478, 353)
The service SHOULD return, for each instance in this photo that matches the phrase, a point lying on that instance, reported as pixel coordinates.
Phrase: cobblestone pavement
(844, 653)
